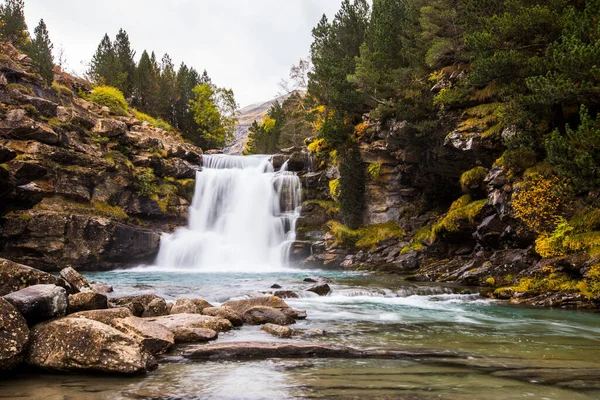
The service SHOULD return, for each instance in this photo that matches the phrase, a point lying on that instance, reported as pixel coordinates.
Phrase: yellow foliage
(374, 170)
(563, 240)
(317, 145)
(361, 129)
(268, 123)
(536, 202)
(462, 211)
(334, 188)
(366, 237)
(472, 178)
(156, 122)
(110, 97)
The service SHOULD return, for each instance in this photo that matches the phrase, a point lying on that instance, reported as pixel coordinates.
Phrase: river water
(241, 225)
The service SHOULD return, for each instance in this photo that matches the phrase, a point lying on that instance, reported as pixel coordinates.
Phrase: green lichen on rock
(366, 237)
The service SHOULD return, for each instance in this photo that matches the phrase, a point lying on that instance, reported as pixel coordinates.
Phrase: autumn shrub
(110, 97)
(156, 122)
(366, 237)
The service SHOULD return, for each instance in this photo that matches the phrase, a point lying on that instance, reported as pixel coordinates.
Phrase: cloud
(244, 45)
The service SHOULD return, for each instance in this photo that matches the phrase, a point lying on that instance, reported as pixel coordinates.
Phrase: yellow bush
(537, 202)
(366, 237)
(317, 145)
(156, 122)
(462, 211)
(110, 97)
(334, 188)
(563, 240)
(472, 178)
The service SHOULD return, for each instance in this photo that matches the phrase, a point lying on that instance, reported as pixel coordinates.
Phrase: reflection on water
(506, 352)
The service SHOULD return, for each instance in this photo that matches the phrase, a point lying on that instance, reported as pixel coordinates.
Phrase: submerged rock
(86, 301)
(225, 313)
(15, 277)
(40, 302)
(79, 344)
(101, 287)
(155, 337)
(259, 315)
(14, 335)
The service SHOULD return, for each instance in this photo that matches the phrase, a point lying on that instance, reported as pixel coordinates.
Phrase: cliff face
(80, 186)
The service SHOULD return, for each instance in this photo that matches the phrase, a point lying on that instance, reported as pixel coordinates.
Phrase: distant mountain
(246, 116)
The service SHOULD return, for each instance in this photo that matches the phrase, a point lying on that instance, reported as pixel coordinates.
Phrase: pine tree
(105, 68)
(146, 84)
(12, 23)
(187, 80)
(124, 55)
(41, 52)
(167, 89)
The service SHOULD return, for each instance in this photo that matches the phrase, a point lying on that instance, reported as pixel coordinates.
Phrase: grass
(156, 122)
(366, 237)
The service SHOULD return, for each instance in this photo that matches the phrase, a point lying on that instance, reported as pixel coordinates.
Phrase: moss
(18, 215)
(366, 237)
(374, 170)
(330, 207)
(473, 178)
(419, 240)
(112, 211)
(334, 188)
(517, 160)
(110, 97)
(461, 212)
(62, 90)
(145, 182)
(156, 122)
(20, 88)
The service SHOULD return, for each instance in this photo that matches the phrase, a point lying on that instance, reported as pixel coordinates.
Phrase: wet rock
(177, 321)
(77, 281)
(101, 287)
(79, 344)
(104, 316)
(317, 279)
(14, 335)
(275, 286)
(86, 301)
(194, 335)
(278, 330)
(259, 315)
(189, 306)
(225, 313)
(241, 306)
(145, 305)
(321, 289)
(109, 127)
(292, 313)
(286, 294)
(298, 161)
(39, 302)
(155, 338)
(15, 277)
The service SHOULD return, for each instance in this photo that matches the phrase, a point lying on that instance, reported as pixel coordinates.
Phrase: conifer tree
(41, 52)
(105, 68)
(124, 55)
(12, 23)
(146, 84)
(167, 89)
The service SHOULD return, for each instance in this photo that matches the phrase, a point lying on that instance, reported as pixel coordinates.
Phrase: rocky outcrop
(80, 344)
(79, 186)
(14, 277)
(14, 335)
(39, 302)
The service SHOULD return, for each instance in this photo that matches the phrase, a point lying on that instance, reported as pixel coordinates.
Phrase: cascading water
(242, 218)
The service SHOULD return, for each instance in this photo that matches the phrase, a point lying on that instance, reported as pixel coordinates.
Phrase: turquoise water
(504, 351)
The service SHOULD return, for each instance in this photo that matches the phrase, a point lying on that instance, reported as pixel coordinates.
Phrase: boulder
(260, 315)
(39, 302)
(79, 344)
(240, 306)
(225, 313)
(104, 316)
(286, 294)
(194, 335)
(145, 305)
(178, 321)
(321, 289)
(101, 287)
(317, 279)
(109, 127)
(15, 277)
(189, 306)
(297, 161)
(86, 301)
(14, 335)
(275, 286)
(77, 281)
(278, 330)
(17, 125)
(155, 338)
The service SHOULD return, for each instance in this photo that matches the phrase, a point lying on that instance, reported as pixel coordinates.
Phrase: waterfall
(242, 218)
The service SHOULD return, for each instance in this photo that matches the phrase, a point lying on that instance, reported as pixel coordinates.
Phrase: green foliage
(331, 207)
(145, 182)
(156, 122)
(40, 51)
(12, 23)
(463, 212)
(264, 138)
(124, 60)
(473, 178)
(374, 169)
(104, 67)
(576, 155)
(110, 97)
(352, 186)
(214, 111)
(366, 237)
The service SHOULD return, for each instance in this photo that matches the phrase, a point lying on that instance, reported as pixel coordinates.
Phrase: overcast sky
(244, 45)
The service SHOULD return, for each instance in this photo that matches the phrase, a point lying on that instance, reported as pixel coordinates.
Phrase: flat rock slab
(177, 321)
(266, 350)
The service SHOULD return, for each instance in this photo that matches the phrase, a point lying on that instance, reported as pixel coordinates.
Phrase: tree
(12, 23)
(124, 55)
(187, 80)
(105, 68)
(167, 89)
(352, 186)
(146, 84)
(264, 138)
(41, 52)
(214, 112)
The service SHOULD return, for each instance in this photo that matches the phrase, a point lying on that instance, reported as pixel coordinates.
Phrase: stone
(177, 321)
(194, 335)
(286, 294)
(240, 306)
(104, 316)
(259, 315)
(84, 345)
(321, 289)
(155, 308)
(155, 338)
(17, 125)
(145, 305)
(275, 286)
(225, 313)
(189, 306)
(77, 281)
(109, 127)
(278, 330)
(317, 279)
(14, 335)
(86, 301)
(39, 302)
(101, 287)
(14, 277)
(297, 161)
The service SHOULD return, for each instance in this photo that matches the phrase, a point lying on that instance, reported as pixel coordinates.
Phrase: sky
(244, 45)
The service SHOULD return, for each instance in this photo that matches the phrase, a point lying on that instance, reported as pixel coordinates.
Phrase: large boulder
(322, 289)
(260, 315)
(155, 337)
(104, 316)
(77, 281)
(86, 301)
(145, 305)
(225, 313)
(15, 277)
(194, 335)
(14, 335)
(79, 344)
(189, 306)
(177, 321)
(109, 127)
(241, 306)
(40, 302)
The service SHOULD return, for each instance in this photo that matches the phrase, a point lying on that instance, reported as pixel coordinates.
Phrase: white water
(242, 218)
